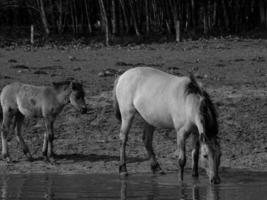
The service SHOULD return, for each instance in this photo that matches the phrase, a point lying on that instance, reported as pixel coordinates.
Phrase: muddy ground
(233, 71)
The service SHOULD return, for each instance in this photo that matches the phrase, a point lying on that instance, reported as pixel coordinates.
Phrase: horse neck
(63, 96)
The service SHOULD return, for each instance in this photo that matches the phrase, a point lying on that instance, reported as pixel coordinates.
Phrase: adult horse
(20, 100)
(167, 101)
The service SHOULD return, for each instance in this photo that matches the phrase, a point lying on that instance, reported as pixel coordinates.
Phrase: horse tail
(1, 113)
(1, 110)
(115, 101)
(206, 118)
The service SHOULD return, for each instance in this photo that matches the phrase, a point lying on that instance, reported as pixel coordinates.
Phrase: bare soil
(233, 71)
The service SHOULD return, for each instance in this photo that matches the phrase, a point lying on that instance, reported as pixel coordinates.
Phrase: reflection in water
(235, 186)
(212, 193)
(182, 191)
(195, 193)
(4, 188)
(15, 187)
(49, 195)
(123, 189)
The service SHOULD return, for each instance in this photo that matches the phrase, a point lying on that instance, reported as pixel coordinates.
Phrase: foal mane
(64, 84)
(207, 109)
(61, 84)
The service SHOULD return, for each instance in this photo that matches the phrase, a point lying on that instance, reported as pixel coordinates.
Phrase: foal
(167, 101)
(20, 100)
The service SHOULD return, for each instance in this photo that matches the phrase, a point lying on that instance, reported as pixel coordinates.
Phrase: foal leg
(48, 141)
(125, 127)
(181, 137)
(148, 142)
(7, 119)
(195, 155)
(19, 121)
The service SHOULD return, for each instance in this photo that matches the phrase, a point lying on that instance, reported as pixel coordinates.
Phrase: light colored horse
(167, 101)
(20, 100)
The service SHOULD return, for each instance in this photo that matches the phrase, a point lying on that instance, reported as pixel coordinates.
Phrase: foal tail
(1, 110)
(115, 101)
(206, 116)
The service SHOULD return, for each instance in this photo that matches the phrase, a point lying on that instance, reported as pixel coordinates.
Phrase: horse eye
(78, 96)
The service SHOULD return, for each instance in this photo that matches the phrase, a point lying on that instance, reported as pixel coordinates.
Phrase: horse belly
(157, 116)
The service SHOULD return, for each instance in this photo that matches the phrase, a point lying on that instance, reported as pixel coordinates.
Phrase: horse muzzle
(83, 110)
(215, 180)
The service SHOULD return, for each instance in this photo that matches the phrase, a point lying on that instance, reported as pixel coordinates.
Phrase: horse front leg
(125, 127)
(44, 149)
(181, 136)
(7, 118)
(148, 142)
(195, 155)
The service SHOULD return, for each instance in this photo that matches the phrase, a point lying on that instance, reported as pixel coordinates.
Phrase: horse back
(157, 96)
(28, 99)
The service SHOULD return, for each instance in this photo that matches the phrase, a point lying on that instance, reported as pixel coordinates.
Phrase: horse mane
(210, 116)
(60, 84)
(207, 109)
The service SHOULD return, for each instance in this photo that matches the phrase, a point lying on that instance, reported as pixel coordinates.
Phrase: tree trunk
(126, 23)
(114, 18)
(205, 19)
(104, 19)
(193, 13)
(214, 13)
(176, 21)
(60, 17)
(134, 19)
(225, 14)
(88, 17)
(43, 17)
(147, 17)
(177, 28)
(262, 12)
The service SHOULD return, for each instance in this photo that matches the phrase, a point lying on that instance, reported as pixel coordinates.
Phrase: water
(236, 185)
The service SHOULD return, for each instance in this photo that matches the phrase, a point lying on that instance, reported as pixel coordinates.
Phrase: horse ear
(73, 85)
(55, 85)
(203, 138)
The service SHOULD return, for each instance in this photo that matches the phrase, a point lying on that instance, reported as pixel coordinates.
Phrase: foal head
(210, 155)
(77, 97)
(74, 92)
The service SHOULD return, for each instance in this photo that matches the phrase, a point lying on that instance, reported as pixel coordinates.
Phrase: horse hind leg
(124, 131)
(19, 121)
(7, 120)
(195, 155)
(148, 142)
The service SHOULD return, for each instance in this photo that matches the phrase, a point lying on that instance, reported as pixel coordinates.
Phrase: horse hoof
(52, 161)
(123, 174)
(161, 172)
(156, 169)
(123, 170)
(7, 159)
(195, 174)
(30, 159)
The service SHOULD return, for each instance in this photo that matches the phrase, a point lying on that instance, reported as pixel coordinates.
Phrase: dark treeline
(134, 17)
